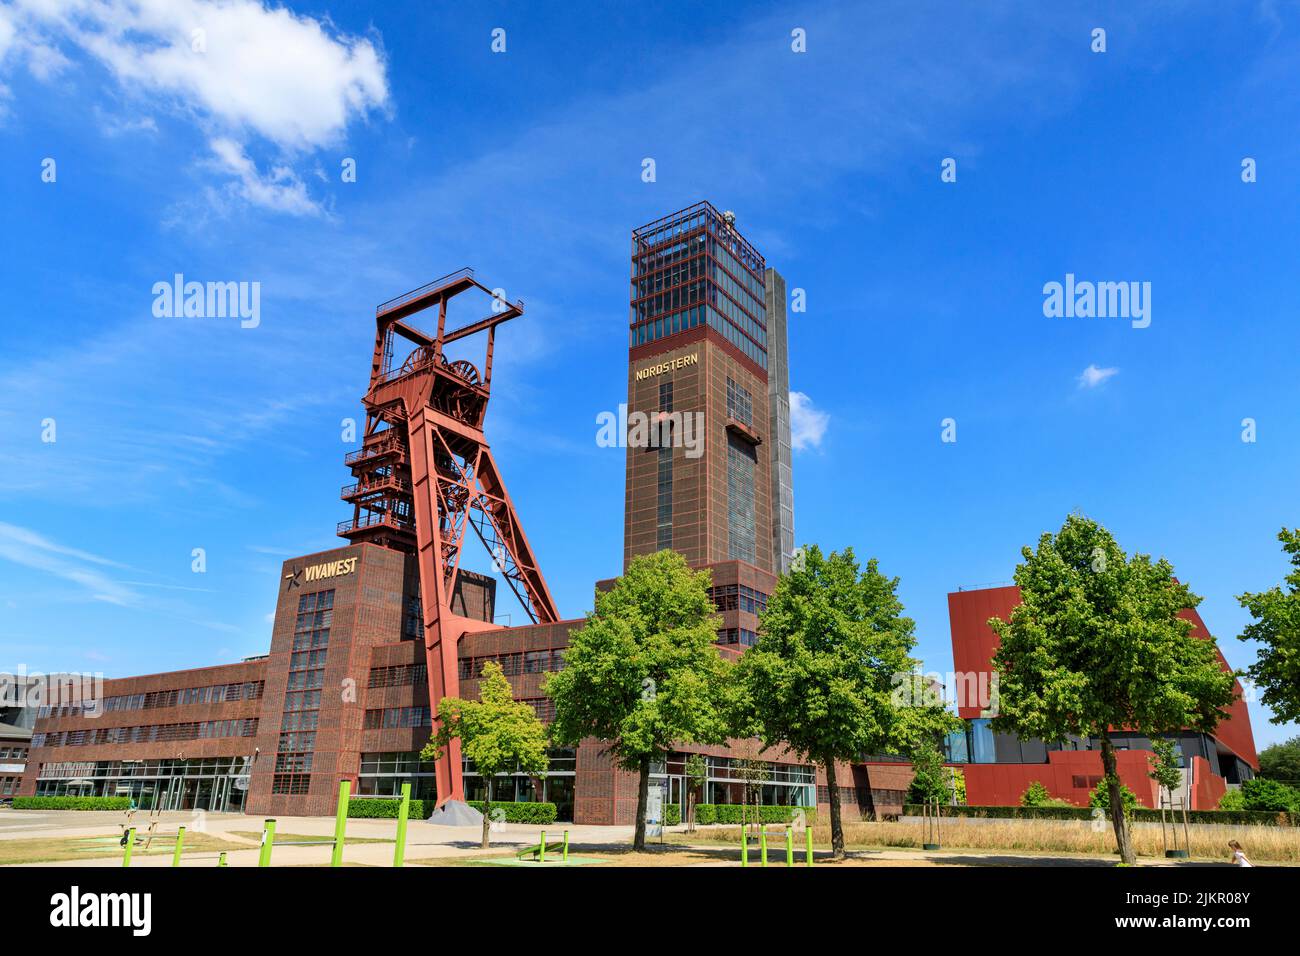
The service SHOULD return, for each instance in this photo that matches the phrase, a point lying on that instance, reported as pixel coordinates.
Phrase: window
(401, 675)
(388, 718)
(291, 783)
(740, 403)
(311, 637)
(664, 501)
(513, 664)
(733, 597)
(741, 544)
(412, 620)
(737, 635)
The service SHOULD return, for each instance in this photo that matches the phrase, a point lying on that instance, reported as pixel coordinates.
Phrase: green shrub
(1233, 800)
(387, 808)
(672, 814)
(522, 811)
(1035, 795)
(1141, 814)
(706, 813)
(1099, 799)
(1264, 794)
(1060, 810)
(72, 803)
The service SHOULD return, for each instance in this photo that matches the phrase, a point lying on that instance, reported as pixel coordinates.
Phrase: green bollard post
(808, 842)
(789, 847)
(762, 843)
(130, 845)
(541, 856)
(566, 846)
(399, 852)
(268, 841)
(180, 842)
(340, 823)
(744, 846)
(221, 860)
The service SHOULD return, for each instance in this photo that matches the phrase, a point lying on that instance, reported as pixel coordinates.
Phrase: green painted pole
(789, 847)
(808, 843)
(566, 846)
(541, 856)
(130, 845)
(180, 842)
(268, 841)
(399, 852)
(340, 823)
(744, 846)
(221, 860)
(762, 844)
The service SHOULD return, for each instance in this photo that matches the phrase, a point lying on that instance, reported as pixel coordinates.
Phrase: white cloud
(1092, 376)
(33, 550)
(6, 31)
(280, 190)
(807, 424)
(121, 125)
(240, 69)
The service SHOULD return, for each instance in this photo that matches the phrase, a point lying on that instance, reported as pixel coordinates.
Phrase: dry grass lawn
(67, 849)
(1262, 844)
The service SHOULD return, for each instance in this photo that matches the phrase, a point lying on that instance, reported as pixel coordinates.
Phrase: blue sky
(924, 297)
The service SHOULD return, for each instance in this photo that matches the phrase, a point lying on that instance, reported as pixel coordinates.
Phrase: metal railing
(374, 519)
(405, 297)
(389, 483)
(384, 445)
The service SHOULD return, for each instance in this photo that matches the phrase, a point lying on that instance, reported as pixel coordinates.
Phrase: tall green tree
(1277, 628)
(498, 733)
(1097, 645)
(1281, 761)
(833, 647)
(644, 670)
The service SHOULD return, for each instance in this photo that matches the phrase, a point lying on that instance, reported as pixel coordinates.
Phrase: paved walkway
(424, 841)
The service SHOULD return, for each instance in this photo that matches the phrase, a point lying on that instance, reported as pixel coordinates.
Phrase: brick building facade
(343, 693)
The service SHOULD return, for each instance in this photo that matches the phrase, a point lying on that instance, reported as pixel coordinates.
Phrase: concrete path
(424, 841)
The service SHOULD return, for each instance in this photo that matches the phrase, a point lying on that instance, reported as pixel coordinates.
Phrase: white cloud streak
(33, 550)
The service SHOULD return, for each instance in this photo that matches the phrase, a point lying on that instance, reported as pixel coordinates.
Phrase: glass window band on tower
(693, 269)
(664, 510)
(296, 750)
(741, 545)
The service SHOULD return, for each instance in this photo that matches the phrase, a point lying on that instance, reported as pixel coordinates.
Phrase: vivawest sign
(320, 572)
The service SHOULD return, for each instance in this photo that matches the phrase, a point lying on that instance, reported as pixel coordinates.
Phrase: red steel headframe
(425, 472)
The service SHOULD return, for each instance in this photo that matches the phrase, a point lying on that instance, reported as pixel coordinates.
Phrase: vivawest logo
(75, 909)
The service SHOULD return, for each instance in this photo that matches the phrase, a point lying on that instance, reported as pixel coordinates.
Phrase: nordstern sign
(680, 362)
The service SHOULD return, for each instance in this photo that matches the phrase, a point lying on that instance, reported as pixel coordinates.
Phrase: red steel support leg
(440, 645)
